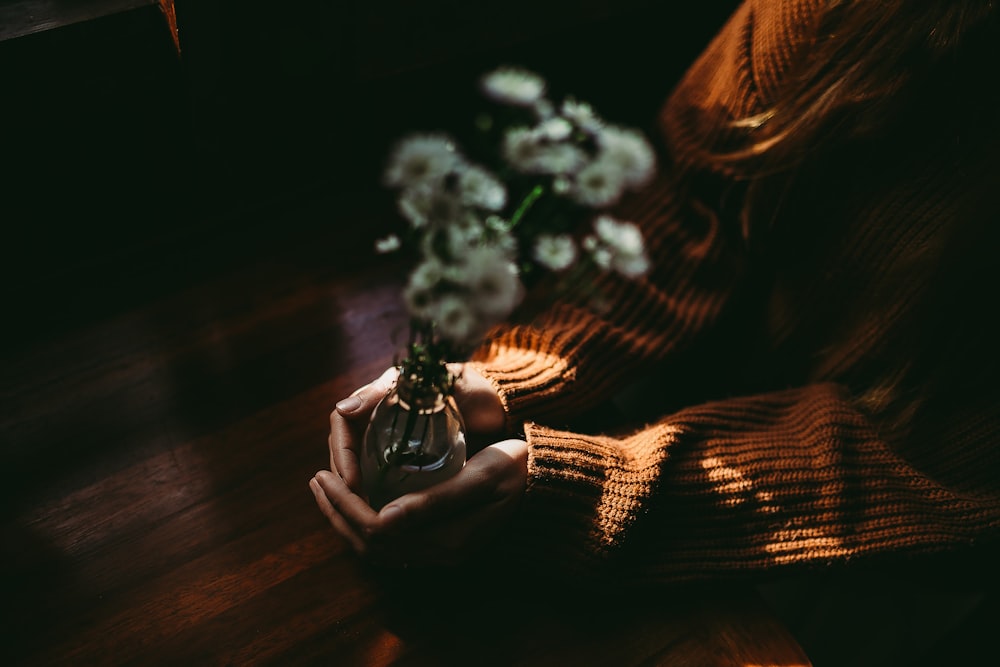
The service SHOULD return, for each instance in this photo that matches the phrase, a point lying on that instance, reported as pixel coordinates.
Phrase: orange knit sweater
(832, 428)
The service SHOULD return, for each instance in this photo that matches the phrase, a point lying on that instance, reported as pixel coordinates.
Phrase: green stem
(398, 448)
(529, 200)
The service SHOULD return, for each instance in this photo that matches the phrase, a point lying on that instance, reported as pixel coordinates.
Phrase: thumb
(473, 487)
(364, 400)
(420, 508)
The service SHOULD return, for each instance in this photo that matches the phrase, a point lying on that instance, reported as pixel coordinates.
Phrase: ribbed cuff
(524, 378)
(558, 528)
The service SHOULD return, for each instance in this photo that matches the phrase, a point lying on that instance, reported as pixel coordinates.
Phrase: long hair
(883, 80)
(873, 63)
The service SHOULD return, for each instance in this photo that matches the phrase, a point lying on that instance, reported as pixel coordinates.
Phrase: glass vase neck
(417, 396)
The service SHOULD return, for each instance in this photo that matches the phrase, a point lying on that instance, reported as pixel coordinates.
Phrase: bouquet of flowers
(480, 230)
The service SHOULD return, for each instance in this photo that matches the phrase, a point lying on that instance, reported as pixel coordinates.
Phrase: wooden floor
(180, 312)
(155, 501)
(156, 458)
(167, 364)
(174, 336)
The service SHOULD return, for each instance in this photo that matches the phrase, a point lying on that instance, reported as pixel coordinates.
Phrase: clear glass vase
(415, 439)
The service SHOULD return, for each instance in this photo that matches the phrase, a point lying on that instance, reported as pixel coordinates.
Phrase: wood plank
(19, 18)
(156, 508)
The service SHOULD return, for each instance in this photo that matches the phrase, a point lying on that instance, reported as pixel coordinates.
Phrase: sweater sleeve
(797, 477)
(571, 358)
(803, 475)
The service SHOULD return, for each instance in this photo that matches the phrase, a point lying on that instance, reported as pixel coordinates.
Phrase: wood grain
(19, 18)
(156, 508)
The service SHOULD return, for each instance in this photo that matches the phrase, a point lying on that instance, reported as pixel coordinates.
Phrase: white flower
(512, 85)
(478, 187)
(451, 242)
(556, 129)
(427, 203)
(600, 183)
(455, 319)
(618, 246)
(581, 114)
(530, 152)
(492, 280)
(598, 252)
(520, 147)
(631, 266)
(419, 158)
(427, 275)
(420, 290)
(560, 159)
(601, 255)
(469, 227)
(496, 223)
(555, 252)
(505, 242)
(630, 151)
(500, 237)
(624, 237)
(390, 243)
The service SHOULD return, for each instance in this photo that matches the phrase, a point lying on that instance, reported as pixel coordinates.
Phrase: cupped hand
(347, 427)
(476, 398)
(441, 525)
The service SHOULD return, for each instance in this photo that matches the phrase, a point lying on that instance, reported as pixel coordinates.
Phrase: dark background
(139, 157)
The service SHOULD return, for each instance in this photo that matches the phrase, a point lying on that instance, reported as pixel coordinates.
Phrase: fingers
(356, 522)
(347, 427)
(349, 514)
(348, 504)
(439, 525)
(344, 442)
(360, 404)
(498, 472)
(337, 521)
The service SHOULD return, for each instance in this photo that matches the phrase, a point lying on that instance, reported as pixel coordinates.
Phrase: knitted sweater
(832, 427)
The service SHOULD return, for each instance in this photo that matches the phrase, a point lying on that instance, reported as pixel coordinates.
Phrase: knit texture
(855, 433)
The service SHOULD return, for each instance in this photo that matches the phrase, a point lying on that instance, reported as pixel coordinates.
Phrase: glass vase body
(414, 440)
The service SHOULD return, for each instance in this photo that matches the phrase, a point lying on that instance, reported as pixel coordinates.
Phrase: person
(815, 342)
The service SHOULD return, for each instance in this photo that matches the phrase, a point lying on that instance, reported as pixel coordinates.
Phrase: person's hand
(476, 398)
(441, 525)
(347, 427)
(486, 491)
